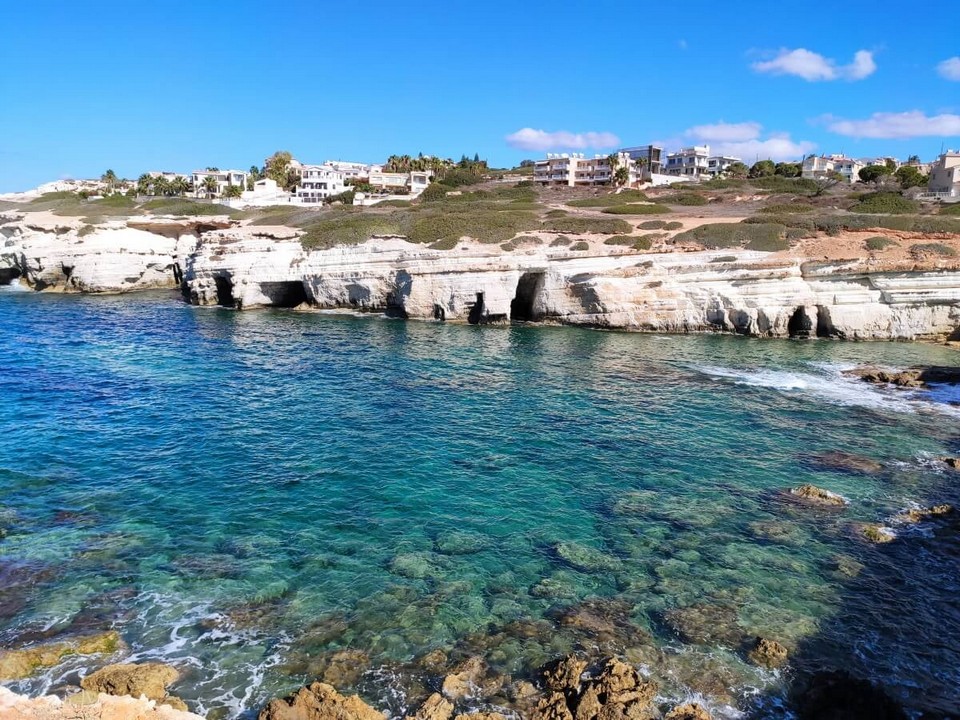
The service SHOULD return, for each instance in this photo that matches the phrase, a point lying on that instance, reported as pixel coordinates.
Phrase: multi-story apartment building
(651, 155)
(222, 178)
(688, 162)
(818, 166)
(577, 169)
(719, 164)
(945, 174)
(317, 183)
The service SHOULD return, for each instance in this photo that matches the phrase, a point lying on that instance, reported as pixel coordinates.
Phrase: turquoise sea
(246, 494)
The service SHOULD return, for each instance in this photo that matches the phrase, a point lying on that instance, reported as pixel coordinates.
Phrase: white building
(222, 178)
(411, 183)
(818, 166)
(317, 183)
(945, 174)
(575, 169)
(719, 164)
(265, 192)
(689, 162)
(651, 155)
(353, 170)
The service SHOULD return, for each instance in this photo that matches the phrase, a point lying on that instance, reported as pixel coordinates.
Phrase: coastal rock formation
(616, 691)
(24, 662)
(755, 294)
(52, 253)
(319, 701)
(435, 707)
(877, 534)
(915, 515)
(818, 496)
(916, 377)
(86, 706)
(688, 711)
(768, 653)
(149, 680)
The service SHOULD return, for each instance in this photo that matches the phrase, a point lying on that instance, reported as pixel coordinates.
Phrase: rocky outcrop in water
(23, 662)
(319, 701)
(768, 653)
(916, 377)
(149, 680)
(818, 496)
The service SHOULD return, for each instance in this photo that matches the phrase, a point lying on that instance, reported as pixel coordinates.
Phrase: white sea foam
(828, 384)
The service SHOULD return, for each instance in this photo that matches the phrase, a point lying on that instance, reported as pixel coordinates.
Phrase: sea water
(245, 494)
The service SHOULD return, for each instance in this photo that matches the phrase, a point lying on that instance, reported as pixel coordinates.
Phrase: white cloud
(950, 69)
(744, 140)
(726, 132)
(897, 125)
(541, 140)
(813, 67)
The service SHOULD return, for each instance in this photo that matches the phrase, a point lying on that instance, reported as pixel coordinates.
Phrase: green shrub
(394, 204)
(619, 240)
(580, 225)
(350, 229)
(690, 199)
(798, 233)
(560, 240)
(482, 224)
(878, 242)
(723, 183)
(85, 230)
(184, 207)
(728, 235)
(673, 225)
(769, 244)
(887, 203)
(460, 177)
(642, 243)
(778, 183)
(953, 209)
(933, 249)
(781, 208)
(445, 244)
(580, 245)
(557, 213)
(653, 209)
(621, 198)
(653, 225)
(435, 191)
(724, 259)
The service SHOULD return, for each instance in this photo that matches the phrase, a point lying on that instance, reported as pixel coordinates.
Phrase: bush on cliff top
(878, 242)
(621, 198)
(689, 199)
(767, 237)
(576, 225)
(652, 209)
(887, 203)
(933, 249)
(953, 209)
(185, 207)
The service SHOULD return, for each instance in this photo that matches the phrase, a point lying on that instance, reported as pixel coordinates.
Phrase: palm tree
(161, 186)
(143, 184)
(210, 186)
(180, 186)
(614, 161)
(109, 178)
(640, 163)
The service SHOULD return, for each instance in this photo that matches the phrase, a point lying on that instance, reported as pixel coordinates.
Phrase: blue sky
(182, 85)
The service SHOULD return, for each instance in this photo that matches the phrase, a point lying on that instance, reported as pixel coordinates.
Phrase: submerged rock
(688, 711)
(705, 624)
(916, 515)
(24, 662)
(147, 679)
(768, 653)
(846, 462)
(840, 696)
(461, 543)
(319, 701)
(586, 558)
(819, 496)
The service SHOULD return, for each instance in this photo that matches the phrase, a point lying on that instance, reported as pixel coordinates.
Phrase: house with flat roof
(818, 166)
(945, 174)
(317, 183)
(690, 162)
(576, 169)
(718, 164)
(222, 179)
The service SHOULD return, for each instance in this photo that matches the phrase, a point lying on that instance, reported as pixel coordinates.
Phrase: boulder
(877, 533)
(340, 669)
(552, 707)
(24, 662)
(818, 496)
(435, 707)
(319, 701)
(688, 711)
(465, 678)
(618, 691)
(951, 462)
(768, 653)
(840, 696)
(564, 675)
(147, 679)
(916, 515)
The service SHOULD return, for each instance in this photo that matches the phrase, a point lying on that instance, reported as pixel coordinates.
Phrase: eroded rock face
(688, 711)
(616, 691)
(147, 679)
(319, 701)
(24, 662)
(86, 706)
(768, 653)
(818, 496)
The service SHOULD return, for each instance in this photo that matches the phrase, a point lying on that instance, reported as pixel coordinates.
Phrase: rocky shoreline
(216, 261)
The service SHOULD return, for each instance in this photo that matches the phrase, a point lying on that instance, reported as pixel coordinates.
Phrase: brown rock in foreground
(149, 679)
(768, 653)
(435, 707)
(86, 706)
(688, 711)
(24, 662)
(319, 701)
(819, 496)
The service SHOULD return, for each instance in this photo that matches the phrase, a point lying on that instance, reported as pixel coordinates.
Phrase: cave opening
(225, 292)
(523, 308)
(800, 325)
(8, 275)
(284, 294)
(477, 311)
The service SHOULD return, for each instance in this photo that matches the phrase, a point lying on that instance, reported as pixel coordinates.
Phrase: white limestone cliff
(754, 294)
